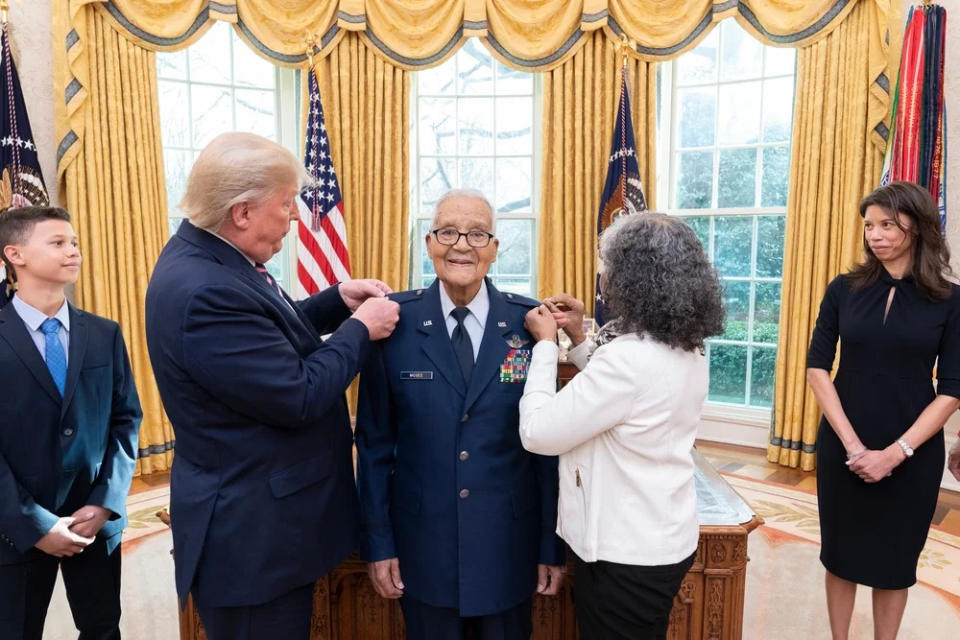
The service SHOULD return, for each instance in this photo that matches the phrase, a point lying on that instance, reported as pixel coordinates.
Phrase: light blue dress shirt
(475, 321)
(33, 318)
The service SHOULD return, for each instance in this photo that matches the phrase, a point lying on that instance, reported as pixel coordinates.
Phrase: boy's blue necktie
(53, 351)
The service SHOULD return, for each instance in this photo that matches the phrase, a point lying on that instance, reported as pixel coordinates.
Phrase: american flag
(622, 191)
(322, 256)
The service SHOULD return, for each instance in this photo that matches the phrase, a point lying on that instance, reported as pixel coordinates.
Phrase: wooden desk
(709, 605)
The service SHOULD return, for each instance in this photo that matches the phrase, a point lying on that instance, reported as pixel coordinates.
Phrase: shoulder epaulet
(523, 301)
(406, 296)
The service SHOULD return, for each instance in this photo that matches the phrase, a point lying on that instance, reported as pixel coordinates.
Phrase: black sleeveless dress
(873, 534)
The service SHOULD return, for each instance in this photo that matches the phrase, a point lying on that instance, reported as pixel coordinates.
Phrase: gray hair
(237, 167)
(658, 281)
(463, 193)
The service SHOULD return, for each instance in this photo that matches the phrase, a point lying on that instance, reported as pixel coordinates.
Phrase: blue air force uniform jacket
(445, 484)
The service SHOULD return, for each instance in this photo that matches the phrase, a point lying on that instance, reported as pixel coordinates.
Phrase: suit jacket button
(465, 417)
(464, 456)
(68, 432)
(464, 493)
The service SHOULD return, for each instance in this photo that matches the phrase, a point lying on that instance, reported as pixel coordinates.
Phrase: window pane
(439, 80)
(256, 112)
(736, 301)
(514, 185)
(737, 183)
(739, 113)
(776, 177)
(477, 174)
(700, 64)
(512, 81)
(173, 224)
(174, 118)
(172, 65)
(514, 126)
(766, 314)
(762, 373)
(779, 61)
(701, 227)
(212, 113)
(770, 234)
(513, 254)
(251, 70)
(742, 54)
(176, 166)
(728, 373)
(731, 245)
(697, 108)
(438, 126)
(475, 69)
(476, 126)
(209, 56)
(437, 176)
(521, 286)
(420, 248)
(694, 180)
(777, 109)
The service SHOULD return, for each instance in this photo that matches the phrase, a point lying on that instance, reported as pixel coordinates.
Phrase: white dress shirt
(474, 322)
(623, 428)
(33, 318)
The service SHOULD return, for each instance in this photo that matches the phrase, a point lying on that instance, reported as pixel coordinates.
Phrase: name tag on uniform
(416, 375)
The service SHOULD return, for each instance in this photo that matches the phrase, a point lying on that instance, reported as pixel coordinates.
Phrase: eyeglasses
(450, 236)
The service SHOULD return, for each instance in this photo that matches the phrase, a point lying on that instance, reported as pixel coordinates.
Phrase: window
(476, 127)
(730, 106)
(219, 84)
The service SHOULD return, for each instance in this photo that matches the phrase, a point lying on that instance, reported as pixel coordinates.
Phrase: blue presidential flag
(21, 183)
(623, 190)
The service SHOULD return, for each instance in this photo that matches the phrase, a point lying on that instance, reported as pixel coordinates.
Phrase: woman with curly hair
(880, 446)
(625, 425)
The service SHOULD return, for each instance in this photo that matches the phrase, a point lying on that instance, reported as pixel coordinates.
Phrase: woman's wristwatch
(907, 449)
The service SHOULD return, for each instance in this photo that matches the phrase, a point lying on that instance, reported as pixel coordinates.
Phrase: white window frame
(415, 239)
(289, 134)
(668, 130)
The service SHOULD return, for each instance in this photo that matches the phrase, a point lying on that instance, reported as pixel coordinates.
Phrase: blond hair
(237, 167)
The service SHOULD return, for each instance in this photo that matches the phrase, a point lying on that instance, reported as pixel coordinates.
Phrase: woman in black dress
(880, 447)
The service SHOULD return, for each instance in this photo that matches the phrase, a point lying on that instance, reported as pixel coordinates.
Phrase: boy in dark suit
(69, 416)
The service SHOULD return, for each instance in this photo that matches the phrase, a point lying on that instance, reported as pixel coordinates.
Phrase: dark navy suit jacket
(262, 487)
(94, 424)
(445, 485)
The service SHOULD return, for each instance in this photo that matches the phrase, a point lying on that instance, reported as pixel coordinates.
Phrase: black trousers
(92, 581)
(625, 602)
(283, 618)
(426, 622)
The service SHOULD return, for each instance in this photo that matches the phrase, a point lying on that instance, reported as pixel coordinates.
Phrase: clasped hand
(872, 465)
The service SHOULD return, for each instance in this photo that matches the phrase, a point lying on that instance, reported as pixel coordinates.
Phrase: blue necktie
(53, 350)
(462, 345)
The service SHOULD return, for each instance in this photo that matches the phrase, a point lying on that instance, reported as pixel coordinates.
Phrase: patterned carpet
(784, 599)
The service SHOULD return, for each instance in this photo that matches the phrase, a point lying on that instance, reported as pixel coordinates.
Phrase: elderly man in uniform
(457, 519)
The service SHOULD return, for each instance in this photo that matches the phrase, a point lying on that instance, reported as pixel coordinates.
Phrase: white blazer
(623, 428)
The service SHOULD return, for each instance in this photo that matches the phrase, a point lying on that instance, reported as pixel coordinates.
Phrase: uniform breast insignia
(428, 323)
(502, 324)
(515, 365)
(516, 342)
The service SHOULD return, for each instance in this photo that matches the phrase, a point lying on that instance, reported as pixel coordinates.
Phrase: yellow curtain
(838, 143)
(115, 193)
(365, 103)
(365, 109)
(580, 100)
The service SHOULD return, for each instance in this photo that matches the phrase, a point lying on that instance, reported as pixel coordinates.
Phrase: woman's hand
(568, 312)
(874, 466)
(541, 324)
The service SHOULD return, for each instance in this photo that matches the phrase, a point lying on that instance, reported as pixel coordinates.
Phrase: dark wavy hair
(659, 281)
(931, 254)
